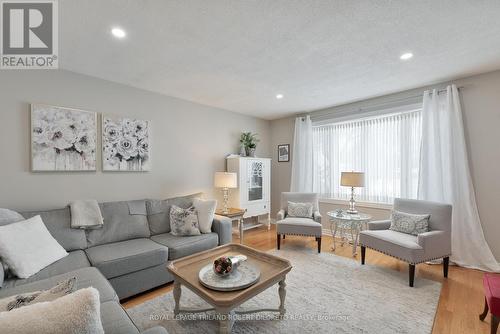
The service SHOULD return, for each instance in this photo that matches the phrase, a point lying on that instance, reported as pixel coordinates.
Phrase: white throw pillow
(79, 312)
(27, 247)
(303, 210)
(205, 210)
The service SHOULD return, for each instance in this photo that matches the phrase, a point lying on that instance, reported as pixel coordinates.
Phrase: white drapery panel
(445, 177)
(302, 157)
(386, 148)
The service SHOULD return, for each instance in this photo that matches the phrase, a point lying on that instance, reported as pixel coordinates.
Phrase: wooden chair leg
(485, 312)
(278, 239)
(319, 244)
(494, 324)
(411, 272)
(446, 264)
(363, 254)
(284, 235)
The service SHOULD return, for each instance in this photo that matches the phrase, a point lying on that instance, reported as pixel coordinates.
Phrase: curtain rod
(375, 106)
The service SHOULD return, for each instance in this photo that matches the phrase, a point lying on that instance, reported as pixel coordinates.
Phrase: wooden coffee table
(273, 271)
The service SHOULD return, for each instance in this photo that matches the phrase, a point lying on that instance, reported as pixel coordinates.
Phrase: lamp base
(352, 212)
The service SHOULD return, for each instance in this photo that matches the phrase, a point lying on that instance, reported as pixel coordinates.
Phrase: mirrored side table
(346, 222)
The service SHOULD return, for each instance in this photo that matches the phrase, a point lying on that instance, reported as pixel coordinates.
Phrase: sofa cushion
(128, 256)
(183, 246)
(85, 277)
(159, 211)
(299, 226)
(58, 223)
(115, 320)
(74, 260)
(122, 221)
(401, 245)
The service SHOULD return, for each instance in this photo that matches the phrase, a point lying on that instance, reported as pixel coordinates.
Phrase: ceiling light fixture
(406, 56)
(279, 96)
(118, 32)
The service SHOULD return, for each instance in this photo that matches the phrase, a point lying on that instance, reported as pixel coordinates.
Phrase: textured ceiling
(238, 54)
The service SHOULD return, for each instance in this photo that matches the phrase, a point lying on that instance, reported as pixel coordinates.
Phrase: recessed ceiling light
(118, 32)
(406, 56)
(279, 96)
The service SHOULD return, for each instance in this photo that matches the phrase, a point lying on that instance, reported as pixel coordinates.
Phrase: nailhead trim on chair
(396, 257)
(302, 235)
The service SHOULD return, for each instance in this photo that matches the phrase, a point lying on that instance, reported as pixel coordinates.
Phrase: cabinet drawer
(256, 209)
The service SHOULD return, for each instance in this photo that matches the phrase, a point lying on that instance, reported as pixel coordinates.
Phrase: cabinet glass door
(255, 180)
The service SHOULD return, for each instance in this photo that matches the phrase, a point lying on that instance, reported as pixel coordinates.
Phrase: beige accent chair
(310, 227)
(414, 249)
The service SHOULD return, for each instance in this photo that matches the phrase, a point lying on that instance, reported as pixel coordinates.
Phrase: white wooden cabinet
(254, 186)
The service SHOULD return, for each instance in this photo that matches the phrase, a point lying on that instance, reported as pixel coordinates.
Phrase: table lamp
(352, 179)
(225, 181)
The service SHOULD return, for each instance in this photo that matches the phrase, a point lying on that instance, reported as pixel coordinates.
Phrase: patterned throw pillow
(62, 288)
(303, 210)
(184, 221)
(409, 223)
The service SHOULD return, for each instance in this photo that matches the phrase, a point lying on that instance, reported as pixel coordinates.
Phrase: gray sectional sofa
(128, 255)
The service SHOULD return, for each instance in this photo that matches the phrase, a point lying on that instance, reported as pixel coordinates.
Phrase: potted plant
(249, 141)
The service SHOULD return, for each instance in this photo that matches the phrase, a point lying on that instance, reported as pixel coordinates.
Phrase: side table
(234, 214)
(346, 221)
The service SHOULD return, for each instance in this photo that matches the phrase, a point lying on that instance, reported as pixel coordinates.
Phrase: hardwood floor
(461, 299)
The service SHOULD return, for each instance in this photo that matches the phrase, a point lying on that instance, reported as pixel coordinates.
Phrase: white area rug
(325, 294)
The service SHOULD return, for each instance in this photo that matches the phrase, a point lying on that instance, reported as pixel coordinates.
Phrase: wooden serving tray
(272, 270)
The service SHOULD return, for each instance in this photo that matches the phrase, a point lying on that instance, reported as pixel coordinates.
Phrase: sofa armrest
(280, 215)
(435, 243)
(317, 216)
(155, 330)
(379, 225)
(223, 226)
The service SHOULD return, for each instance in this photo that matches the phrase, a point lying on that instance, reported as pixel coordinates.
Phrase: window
(386, 148)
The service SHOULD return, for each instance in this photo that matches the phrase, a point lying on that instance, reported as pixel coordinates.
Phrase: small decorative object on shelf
(249, 141)
(225, 265)
(339, 212)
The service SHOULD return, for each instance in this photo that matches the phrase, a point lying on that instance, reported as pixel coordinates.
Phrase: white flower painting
(62, 139)
(125, 144)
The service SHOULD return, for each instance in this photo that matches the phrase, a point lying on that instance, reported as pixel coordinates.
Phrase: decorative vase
(251, 152)
(243, 152)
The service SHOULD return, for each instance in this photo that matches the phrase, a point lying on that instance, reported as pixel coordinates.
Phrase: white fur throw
(86, 214)
(76, 313)
(27, 247)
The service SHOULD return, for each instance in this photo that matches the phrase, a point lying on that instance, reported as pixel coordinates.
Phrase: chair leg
(494, 324)
(446, 264)
(284, 235)
(485, 312)
(318, 239)
(411, 272)
(278, 239)
(363, 254)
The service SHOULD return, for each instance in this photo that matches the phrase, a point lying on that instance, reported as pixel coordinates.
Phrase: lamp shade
(225, 180)
(352, 179)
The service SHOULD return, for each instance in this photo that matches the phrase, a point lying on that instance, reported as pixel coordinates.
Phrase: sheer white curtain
(386, 148)
(445, 177)
(302, 156)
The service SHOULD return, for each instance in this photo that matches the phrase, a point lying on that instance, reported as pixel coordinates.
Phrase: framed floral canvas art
(125, 144)
(62, 139)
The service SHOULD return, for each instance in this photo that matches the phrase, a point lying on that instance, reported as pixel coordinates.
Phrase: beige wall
(189, 141)
(481, 107)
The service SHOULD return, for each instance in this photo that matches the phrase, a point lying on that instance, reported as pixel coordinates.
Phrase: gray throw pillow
(303, 210)
(184, 221)
(409, 223)
(62, 288)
